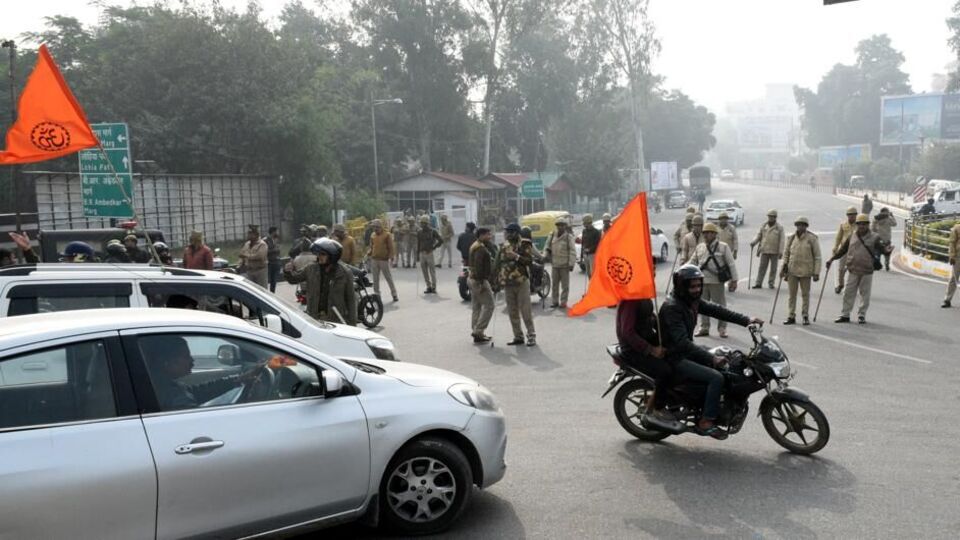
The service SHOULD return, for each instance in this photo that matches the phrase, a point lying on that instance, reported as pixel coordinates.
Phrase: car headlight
(474, 395)
(382, 348)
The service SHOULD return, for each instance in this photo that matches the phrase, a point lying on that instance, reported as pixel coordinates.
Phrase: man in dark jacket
(330, 293)
(678, 318)
(589, 240)
(466, 240)
(480, 259)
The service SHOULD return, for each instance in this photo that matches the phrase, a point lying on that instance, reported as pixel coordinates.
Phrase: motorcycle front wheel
(629, 404)
(371, 310)
(799, 426)
(544, 290)
(464, 289)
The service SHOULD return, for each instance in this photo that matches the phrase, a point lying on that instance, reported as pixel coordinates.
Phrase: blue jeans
(692, 371)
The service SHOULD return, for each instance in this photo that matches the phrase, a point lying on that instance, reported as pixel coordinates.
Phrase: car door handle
(197, 447)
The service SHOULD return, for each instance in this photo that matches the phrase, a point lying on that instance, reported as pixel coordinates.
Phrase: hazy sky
(715, 50)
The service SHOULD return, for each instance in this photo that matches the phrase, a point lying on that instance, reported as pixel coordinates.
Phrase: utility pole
(9, 44)
(373, 124)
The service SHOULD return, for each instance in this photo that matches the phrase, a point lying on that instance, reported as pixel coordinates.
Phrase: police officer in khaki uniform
(953, 246)
(770, 237)
(480, 261)
(727, 233)
(843, 234)
(692, 239)
(409, 246)
(685, 227)
(715, 260)
(801, 262)
(859, 253)
(883, 225)
(428, 240)
(561, 250)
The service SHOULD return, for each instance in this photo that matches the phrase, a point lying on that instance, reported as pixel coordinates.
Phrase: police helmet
(862, 218)
(710, 227)
(115, 247)
(852, 211)
(698, 219)
(607, 216)
(78, 249)
(587, 218)
(802, 220)
(512, 228)
(527, 233)
(772, 213)
(723, 215)
(331, 248)
(424, 219)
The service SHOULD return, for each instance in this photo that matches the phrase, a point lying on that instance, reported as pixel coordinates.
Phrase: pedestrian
(770, 238)
(446, 235)
(953, 250)
(883, 226)
(274, 267)
(465, 242)
(480, 261)
(692, 239)
(685, 227)
(329, 284)
(728, 233)
(861, 255)
(607, 222)
(801, 263)
(134, 253)
(843, 234)
(715, 260)
(197, 256)
(428, 240)
(381, 250)
(867, 205)
(589, 241)
(23, 242)
(512, 267)
(253, 257)
(350, 255)
(701, 198)
(410, 242)
(562, 252)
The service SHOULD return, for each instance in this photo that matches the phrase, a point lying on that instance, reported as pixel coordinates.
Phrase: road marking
(808, 366)
(864, 347)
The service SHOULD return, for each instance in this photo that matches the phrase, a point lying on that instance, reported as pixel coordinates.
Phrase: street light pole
(373, 125)
(9, 44)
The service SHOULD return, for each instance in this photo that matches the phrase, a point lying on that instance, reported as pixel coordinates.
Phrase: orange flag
(50, 122)
(623, 264)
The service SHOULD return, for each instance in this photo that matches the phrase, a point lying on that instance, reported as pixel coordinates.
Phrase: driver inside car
(678, 317)
(168, 359)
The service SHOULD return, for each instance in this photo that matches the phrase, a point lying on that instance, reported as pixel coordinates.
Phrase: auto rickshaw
(542, 224)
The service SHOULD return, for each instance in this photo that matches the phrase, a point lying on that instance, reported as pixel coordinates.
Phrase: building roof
(470, 182)
(552, 180)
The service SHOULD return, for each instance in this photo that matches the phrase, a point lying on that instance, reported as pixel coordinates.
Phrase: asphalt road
(889, 389)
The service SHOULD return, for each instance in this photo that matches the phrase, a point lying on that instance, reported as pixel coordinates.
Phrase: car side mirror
(228, 354)
(332, 383)
(273, 323)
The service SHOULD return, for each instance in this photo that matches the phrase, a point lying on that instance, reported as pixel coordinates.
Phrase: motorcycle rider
(678, 318)
(465, 241)
(330, 286)
(116, 252)
(163, 252)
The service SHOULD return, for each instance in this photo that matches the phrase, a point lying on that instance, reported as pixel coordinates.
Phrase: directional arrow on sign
(126, 163)
(121, 138)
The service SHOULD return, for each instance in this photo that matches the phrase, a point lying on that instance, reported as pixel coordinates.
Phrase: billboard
(663, 175)
(907, 119)
(833, 156)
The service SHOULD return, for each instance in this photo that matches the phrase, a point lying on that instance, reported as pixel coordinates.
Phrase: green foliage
(884, 174)
(677, 129)
(364, 203)
(941, 161)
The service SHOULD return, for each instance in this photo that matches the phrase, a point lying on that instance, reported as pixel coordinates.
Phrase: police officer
(715, 259)
(589, 240)
(480, 260)
(843, 234)
(685, 227)
(446, 236)
(116, 252)
(381, 250)
(953, 249)
(801, 262)
(883, 225)
(859, 253)
(692, 239)
(770, 237)
(512, 266)
(350, 253)
(428, 240)
(134, 253)
(727, 233)
(607, 222)
(330, 293)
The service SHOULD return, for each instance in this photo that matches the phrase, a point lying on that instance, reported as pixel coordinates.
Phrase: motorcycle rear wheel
(464, 289)
(629, 403)
(371, 310)
(544, 290)
(787, 421)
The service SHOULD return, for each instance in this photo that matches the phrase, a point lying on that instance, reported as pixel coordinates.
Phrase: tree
(681, 130)
(953, 23)
(940, 160)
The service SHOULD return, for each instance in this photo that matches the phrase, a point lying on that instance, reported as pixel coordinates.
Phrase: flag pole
(9, 44)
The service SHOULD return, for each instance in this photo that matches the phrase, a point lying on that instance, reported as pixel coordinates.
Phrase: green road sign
(102, 194)
(532, 189)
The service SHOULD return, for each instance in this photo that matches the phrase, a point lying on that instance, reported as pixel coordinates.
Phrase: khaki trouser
(518, 305)
(952, 285)
(481, 300)
(841, 272)
(258, 276)
(382, 266)
(410, 251)
(446, 249)
(861, 283)
(429, 272)
(560, 284)
(715, 293)
(803, 283)
(588, 264)
(767, 259)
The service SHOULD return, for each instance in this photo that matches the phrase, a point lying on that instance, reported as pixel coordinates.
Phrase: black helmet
(512, 228)
(682, 278)
(526, 233)
(332, 248)
(116, 248)
(160, 247)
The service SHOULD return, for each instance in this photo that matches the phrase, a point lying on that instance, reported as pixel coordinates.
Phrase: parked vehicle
(542, 224)
(43, 288)
(52, 243)
(162, 423)
(729, 206)
(659, 243)
(727, 175)
(700, 179)
(788, 415)
(369, 304)
(945, 201)
(676, 199)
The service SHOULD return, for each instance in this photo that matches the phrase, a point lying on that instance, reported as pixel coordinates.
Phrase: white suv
(42, 288)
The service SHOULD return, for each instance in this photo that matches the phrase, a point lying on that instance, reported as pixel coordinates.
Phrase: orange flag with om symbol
(50, 122)
(623, 264)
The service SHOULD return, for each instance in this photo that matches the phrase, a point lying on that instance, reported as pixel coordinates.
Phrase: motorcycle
(462, 283)
(786, 413)
(539, 279)
(369, 304)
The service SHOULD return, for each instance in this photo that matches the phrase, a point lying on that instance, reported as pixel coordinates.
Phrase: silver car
(161, 423)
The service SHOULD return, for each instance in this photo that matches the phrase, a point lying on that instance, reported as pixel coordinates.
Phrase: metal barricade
(929, 235)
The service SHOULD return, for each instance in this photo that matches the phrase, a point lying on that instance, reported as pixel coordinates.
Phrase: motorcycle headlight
(781, 370)
(474, 395)
(382, 348)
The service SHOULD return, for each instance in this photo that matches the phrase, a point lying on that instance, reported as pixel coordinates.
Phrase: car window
(190, 371)
(62, 384)
(45, 298)
(216, 299)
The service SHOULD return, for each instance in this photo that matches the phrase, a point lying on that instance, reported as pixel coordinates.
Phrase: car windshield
(720, 205)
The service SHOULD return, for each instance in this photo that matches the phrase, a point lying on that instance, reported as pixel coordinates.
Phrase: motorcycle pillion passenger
(678, 318)
(329, 284)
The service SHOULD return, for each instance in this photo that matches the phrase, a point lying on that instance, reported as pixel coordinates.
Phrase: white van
(45, 288)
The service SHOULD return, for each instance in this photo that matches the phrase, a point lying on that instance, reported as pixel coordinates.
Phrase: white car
(658, 242)
(173, 423)
(730, 206)
(727, 174)
(42, 288)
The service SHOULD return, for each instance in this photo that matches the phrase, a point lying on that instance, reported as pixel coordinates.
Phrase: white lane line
(864, 347)
(808, 366)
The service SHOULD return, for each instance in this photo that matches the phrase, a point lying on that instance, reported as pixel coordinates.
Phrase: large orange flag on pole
(50, 122)
(623, 264)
